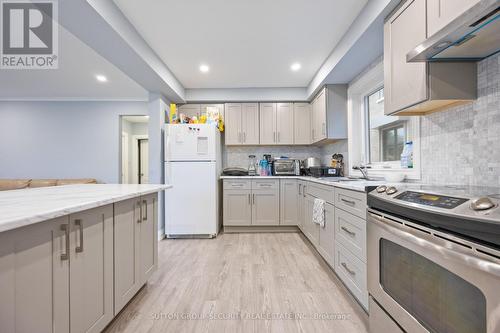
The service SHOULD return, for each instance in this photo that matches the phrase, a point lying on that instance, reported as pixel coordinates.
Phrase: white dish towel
(319, 212)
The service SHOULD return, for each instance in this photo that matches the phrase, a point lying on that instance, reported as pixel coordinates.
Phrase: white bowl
(395, 177)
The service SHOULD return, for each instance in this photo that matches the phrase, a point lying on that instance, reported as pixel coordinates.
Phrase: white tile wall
(462, 145)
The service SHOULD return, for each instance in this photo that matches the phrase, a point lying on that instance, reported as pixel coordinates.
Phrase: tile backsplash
(237, 156)
(462, 145)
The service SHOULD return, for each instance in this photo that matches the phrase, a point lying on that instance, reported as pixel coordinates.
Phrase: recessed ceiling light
(296, 66)
(101, 78)
(204, 68)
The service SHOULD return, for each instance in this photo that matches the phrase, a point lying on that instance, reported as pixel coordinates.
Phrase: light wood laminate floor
(266, 282)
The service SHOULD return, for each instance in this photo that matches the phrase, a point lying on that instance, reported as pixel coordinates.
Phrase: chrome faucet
(363, 168)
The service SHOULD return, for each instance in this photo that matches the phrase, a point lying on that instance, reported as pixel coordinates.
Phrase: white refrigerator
(192, 166)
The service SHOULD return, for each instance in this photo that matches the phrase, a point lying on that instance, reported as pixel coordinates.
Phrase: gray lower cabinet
(91, 269)
(251, 202)
(34, 278)
(135, 246)
(57, 275)
(326, 241)
(289, 202)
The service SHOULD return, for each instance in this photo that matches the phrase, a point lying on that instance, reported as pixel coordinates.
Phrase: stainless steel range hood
(472, 36)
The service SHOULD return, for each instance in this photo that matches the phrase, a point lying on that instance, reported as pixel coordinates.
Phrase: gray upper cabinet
(329, 113)
(284, 123)
(442, 12)
(419, 88)
(302, 123)
(242, 124)
(267, 123)
(250, 123)
(233, 121)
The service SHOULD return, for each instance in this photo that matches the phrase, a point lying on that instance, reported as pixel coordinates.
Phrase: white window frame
(371, 81)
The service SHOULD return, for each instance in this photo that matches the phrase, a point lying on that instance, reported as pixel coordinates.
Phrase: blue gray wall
(63, 139)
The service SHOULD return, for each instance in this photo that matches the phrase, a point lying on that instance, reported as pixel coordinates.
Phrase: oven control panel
(433, 200)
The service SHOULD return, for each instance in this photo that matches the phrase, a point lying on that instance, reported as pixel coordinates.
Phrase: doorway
(134, 150)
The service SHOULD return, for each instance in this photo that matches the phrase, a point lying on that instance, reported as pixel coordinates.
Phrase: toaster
(286, 167)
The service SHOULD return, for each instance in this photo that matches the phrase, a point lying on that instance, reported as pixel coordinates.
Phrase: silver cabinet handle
(304, 191)
(236, 185)
(265, 185)
(249, 199)
(313, 133)
(274, 136)
(244, 136)
(65, 255)
(253, 198)
(348, 201)
(79, 248)
(279, 140)
(347, 269)
(300, 187)
(140, 212)
(352, 233)
(145, 204)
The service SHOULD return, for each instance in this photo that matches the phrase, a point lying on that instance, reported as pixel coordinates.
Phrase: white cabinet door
(34, 278)
(265, 207)
(284, 123)
(250, 123)
(327, 236)
(405, 84)
(148, 236)
(237, 207)
(288, 202)
(267, 121)
(126, 251)
(442, 12)
(302, 123)
(232, 121)
(91, 269)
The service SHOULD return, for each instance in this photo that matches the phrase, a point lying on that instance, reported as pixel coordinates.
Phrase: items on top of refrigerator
(210, 116)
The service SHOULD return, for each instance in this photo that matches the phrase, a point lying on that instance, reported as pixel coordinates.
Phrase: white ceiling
(73, 80)
(246, 43)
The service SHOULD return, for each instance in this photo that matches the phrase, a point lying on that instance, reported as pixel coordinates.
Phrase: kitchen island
(71, 257)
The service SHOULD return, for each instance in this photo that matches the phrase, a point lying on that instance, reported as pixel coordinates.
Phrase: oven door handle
(439, 243)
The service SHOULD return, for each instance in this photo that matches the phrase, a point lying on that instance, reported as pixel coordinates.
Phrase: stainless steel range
(434, 259)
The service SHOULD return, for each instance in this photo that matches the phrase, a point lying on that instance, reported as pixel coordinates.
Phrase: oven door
(429, 281)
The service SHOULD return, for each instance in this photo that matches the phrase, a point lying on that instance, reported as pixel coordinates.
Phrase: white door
(191, 205)
(143, 161)
(250, 123)
(190, 142)
(125, 158)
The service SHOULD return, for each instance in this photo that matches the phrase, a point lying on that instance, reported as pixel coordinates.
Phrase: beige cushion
(13, 184)
(76, 181)
(42, 182)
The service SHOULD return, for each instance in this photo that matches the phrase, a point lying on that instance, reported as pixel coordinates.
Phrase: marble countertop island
(19, 208)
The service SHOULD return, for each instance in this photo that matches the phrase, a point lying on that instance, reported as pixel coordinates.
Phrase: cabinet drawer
(321, 192)
(350, 231)
(237, 184)
(265, 184)
(351, 201)
(352, 272)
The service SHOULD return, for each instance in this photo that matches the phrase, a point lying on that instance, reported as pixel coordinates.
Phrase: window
(385, 135)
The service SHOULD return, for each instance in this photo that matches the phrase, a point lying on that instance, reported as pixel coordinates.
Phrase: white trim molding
(370, 81)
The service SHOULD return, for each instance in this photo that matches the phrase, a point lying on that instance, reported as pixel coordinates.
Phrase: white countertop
(19, 208)
(355, 185)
